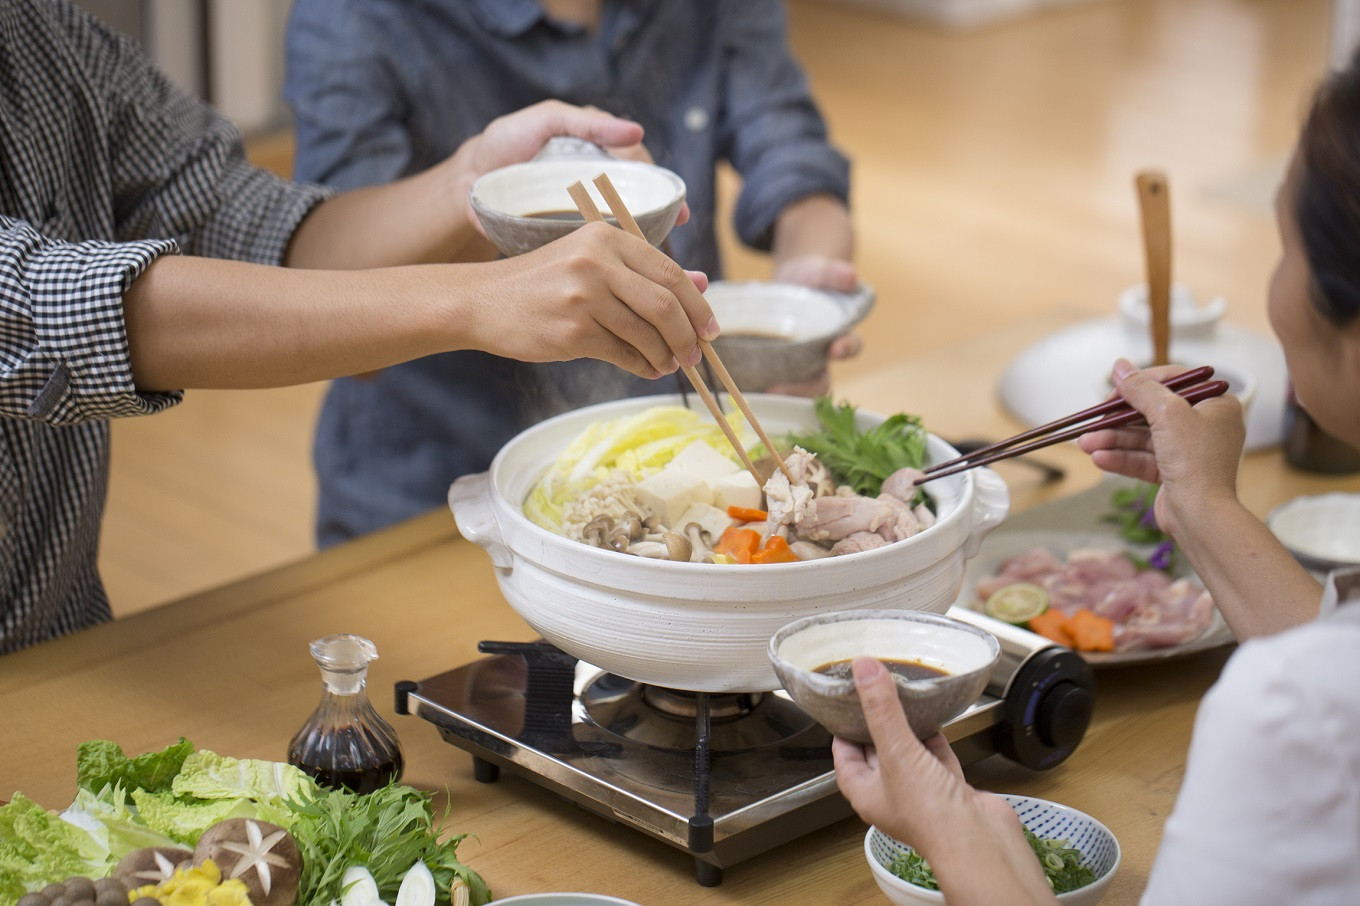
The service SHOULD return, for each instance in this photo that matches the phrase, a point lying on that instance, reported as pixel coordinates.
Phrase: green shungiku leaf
(862, 459)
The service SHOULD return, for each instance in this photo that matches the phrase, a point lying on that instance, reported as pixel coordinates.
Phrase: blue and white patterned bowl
(1048, 820)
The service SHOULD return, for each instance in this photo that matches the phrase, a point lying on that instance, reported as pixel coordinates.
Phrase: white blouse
(1269, 810)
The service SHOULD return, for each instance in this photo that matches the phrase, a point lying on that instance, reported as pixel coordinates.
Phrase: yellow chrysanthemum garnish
(201, 885)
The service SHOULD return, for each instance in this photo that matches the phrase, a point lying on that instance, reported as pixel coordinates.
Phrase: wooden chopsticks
(586, 205)
(1114, 413)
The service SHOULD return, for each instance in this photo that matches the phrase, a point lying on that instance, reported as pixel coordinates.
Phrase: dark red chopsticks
(1115, 413)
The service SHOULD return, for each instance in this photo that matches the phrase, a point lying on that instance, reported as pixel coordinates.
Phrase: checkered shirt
(104, 166)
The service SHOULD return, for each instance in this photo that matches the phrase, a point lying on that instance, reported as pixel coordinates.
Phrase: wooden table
(230, 670)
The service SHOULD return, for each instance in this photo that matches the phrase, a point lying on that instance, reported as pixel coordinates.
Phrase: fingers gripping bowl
(697, 626)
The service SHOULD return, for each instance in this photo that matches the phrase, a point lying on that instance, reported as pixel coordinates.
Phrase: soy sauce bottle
(346, 744)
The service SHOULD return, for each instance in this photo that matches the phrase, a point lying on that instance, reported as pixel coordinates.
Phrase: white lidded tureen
(700, 626)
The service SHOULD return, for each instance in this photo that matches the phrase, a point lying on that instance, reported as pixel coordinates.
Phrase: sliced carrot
(776, 550)
(747, 514)
(741, 543)
(1052, 625)
(1090, 632)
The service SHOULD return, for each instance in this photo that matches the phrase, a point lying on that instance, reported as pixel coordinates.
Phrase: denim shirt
(385, 88)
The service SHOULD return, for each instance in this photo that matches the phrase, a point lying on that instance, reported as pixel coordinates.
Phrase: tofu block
(737, 489)
(700, 459)
(669, 492)
(710, 519)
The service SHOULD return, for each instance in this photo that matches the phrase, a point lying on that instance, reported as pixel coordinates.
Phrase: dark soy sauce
(351, 757)
(900, 670)
(362, 780)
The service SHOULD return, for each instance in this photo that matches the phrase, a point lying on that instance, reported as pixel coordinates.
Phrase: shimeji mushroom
(700, 542)
(263, 855)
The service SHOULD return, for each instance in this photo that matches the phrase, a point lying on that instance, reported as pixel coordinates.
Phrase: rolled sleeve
(63, 343)
(257, 216)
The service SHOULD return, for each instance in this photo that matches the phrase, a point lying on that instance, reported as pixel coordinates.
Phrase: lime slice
(1017, 603)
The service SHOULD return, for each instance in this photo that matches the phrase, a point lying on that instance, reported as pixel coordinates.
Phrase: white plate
(1069, 370)
(1064, 526)
(1003, 545)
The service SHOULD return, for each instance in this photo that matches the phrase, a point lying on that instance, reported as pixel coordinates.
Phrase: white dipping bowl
(1045, 819)
(700, 626)
(1321, 531)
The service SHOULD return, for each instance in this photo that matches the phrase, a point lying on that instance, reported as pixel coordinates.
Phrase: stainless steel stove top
(723, 777)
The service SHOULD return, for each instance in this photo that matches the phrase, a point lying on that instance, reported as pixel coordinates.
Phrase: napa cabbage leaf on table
(189, 790)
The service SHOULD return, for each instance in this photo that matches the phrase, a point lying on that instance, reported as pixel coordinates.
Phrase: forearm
(815, 225)
(422, 219)
(206, 323)
(1256, 584)
(198, 322)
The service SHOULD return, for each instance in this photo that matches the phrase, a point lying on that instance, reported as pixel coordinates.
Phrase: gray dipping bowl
(779, 333)
(505, 199)
(965, 652)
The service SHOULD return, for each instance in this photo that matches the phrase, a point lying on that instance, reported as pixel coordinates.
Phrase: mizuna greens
(171, 797)
(386, 831)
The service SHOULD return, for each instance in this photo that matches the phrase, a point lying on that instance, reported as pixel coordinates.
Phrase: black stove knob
(1046, 708)
(1064, 714)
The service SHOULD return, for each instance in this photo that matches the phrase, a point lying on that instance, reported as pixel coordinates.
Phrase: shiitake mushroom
(151, 865)
(263, 855)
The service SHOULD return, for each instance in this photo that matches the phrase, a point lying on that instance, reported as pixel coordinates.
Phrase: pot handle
(991, 503)
(470, 500)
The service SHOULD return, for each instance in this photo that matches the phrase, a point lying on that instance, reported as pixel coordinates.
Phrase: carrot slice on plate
(1052, 625)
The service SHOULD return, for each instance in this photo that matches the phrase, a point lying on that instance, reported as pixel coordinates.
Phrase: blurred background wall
(228, 51)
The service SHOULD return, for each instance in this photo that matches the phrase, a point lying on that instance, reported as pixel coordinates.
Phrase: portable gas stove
(721, 776)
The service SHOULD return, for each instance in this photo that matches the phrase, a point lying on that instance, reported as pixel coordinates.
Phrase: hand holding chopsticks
(586, 205)
(1116, 413)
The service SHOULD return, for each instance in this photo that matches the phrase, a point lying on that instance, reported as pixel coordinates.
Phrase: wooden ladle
(1154, 206)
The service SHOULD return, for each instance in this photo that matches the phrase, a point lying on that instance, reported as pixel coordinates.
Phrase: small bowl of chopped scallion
(1078, 854)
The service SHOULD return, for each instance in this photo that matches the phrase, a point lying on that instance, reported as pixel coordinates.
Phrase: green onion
(1060, 861)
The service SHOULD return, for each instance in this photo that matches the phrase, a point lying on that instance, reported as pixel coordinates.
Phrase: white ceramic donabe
(695, 626)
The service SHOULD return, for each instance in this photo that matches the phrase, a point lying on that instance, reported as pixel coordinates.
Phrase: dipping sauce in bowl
(940, 665)
(905, 671)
